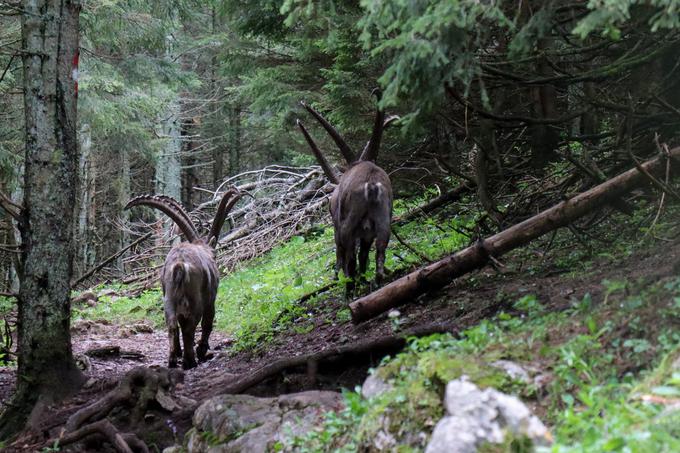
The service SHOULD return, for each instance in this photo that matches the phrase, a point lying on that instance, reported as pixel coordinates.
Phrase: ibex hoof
(189, 364)
(201, 352)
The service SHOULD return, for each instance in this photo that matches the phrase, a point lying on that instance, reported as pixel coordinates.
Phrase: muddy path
(463, 303)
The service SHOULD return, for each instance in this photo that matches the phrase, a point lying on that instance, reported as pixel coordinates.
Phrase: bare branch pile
(278, 202)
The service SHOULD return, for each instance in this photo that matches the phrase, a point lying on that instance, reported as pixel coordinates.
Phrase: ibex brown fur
(189, 278)
(361, 204)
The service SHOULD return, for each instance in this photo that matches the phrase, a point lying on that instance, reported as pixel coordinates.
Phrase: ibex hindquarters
(361, 208)
(190, 280)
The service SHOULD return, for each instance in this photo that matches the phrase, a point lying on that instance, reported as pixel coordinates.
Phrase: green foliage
(607, 16)
(121, 309)
(428, 44)
(259, 300)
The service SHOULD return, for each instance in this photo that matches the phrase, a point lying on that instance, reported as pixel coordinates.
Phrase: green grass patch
(121, 309)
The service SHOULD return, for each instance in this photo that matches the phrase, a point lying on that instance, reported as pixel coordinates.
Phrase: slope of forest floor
(583, 320)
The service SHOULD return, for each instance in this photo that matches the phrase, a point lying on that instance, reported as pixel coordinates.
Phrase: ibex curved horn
(227, 202)
(178, 207)
(168, 208)
(370, 151)
(345, 150)
(325, 166)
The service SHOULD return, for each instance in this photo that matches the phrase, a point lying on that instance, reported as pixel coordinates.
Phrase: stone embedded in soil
(512, 369)
(374, 386)
(476, 417)
(243, 423)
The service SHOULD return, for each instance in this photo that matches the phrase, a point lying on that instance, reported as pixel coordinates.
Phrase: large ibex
(190, 277)
(361, 204)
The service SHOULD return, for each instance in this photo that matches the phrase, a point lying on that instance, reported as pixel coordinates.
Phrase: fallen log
(441, 273)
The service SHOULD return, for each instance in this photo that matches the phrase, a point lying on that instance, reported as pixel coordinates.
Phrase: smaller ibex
(190, 277)
(361, 204)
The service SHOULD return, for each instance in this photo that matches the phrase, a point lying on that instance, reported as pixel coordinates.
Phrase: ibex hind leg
(364, 249)
(380, 247)
(175, 348)
(339, 260)
(188, 332)
(350, 269)
(206, 329)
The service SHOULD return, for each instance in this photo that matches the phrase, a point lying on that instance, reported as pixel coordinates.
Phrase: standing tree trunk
(235, 142)
(169, 165)
(189, 174)
(46, 369)
(544, 137)
(86, 256)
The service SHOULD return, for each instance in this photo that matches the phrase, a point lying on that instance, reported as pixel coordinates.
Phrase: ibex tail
(180, 273)
(373, 191)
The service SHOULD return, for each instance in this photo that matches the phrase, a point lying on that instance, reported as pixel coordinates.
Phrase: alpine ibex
(189, 277)
(361, 204)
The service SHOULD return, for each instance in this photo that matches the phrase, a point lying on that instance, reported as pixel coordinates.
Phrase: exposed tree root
(312, 360)
(137, 390)
(122, 442)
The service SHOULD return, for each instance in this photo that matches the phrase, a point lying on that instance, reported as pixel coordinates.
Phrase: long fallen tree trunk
(441, 273)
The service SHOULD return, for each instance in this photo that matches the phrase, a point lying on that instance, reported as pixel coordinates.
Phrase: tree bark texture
(46, 369)
(235, 142)
(544, 137)
(441, 273)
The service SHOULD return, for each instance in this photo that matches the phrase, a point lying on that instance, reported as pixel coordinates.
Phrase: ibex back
(189, 278)
(361, 209)
(361, 204)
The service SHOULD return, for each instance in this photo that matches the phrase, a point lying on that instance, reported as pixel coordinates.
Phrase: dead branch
(476, 256)
(101, 265)
(440, 201)
(282, 201)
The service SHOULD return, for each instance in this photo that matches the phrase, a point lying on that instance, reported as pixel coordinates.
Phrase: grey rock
(373, 386)
(173, 449)
(512, 369)
(243, 423)
(476, 416)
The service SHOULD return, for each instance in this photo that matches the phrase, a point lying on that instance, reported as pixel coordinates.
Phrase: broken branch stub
(441, 273)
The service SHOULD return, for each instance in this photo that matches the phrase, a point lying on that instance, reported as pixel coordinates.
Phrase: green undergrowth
(123, 309)
(576, 250)
(260, 298)
(604, 375)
